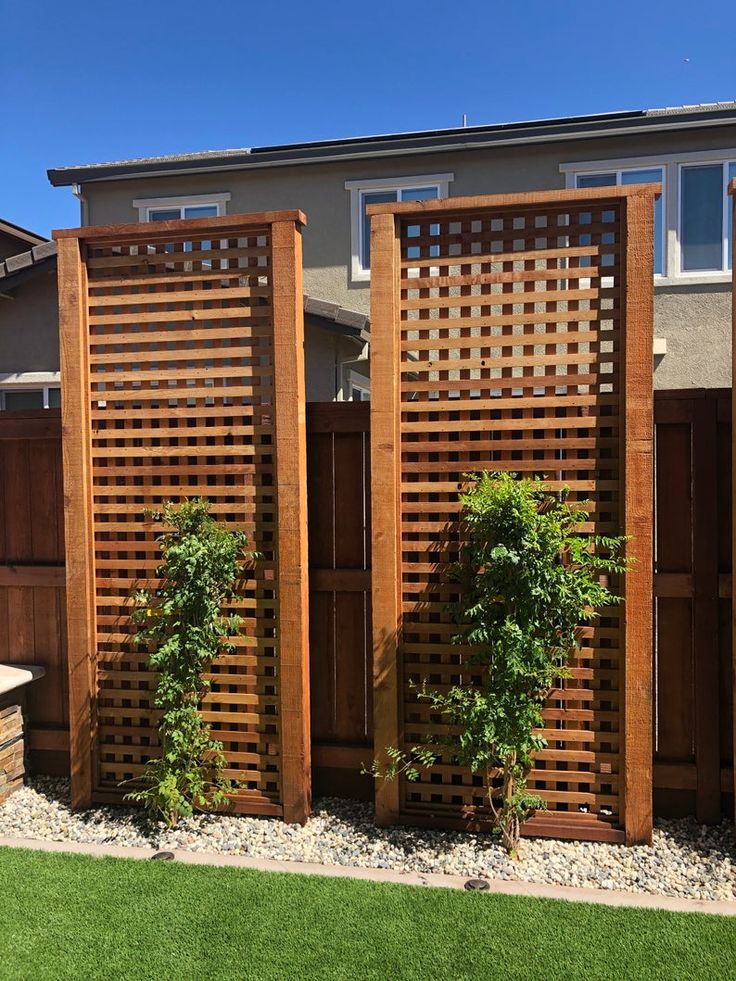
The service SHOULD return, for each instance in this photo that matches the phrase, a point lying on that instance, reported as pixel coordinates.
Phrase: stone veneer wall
(11, 747)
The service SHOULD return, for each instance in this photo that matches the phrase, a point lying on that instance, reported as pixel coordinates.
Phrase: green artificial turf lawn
(69, 916)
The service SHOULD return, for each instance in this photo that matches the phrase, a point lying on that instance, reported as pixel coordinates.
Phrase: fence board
(217, 415)
(463, 323)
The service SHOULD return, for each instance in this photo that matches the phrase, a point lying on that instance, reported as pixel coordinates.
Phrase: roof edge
(550, 130)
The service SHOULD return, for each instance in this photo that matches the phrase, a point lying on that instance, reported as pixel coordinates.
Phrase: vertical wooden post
(637, 429)
(385, 490)
(291, 486)
(78, 530)
(732, 192)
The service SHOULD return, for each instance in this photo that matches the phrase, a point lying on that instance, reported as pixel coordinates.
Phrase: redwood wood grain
(291, 482)
(637, 445)
(81, 626)
(385, 258)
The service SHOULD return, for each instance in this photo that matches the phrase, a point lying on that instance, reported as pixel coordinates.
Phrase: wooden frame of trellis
(183, 366)
(526, 275)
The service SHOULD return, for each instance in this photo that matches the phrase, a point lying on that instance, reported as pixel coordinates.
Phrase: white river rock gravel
(685, 860)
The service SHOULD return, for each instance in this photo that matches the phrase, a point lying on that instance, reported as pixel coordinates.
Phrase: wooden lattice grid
(514, 334)
(183, 377)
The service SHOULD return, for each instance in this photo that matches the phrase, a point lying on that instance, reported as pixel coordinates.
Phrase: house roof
(17, 269)
(338, 319)
(427, 141)
(12, 230)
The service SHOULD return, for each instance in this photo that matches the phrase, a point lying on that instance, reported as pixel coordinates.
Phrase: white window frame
(355, 381)
(358, 188)
(691, 274)
(146, 205)
(29, 381)
(618, 171)
(671, 164)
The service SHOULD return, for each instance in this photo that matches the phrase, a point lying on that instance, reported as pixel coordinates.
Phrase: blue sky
(97, 81)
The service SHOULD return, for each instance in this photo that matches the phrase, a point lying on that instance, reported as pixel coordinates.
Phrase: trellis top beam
(224, 223)
(599, 195)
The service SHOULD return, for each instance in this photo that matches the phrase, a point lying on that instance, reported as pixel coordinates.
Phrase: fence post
(385, 454)
(637, 449)
(78, 530)
(291, 486)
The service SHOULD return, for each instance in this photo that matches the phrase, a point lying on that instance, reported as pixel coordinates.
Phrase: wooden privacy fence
(32, 603)
(692, 665)
(514, 333)
(338, 484)
(693, 711)
(182, 360)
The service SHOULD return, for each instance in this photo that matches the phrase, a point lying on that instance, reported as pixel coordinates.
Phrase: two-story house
(690, 151)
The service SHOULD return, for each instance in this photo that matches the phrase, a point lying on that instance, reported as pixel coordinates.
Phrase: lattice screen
(508, 339)
(180, 398)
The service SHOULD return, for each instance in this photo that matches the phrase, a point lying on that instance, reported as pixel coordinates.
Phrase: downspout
(83, 204)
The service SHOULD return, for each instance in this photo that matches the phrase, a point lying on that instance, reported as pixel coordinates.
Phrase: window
(693, 217)
(174, 214)
(18, 398)
(191, 206)
(357, 387)
(651, 175)
(380, 191)
(706, 218)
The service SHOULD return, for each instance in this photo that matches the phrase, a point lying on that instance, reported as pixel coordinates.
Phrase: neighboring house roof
(19, 268)
(429, 141)
(23, 235)
(338, 319)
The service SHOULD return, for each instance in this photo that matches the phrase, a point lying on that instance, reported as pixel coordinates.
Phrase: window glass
(730, 202)
(418, 194)
(372, 197)
(24, 399)
(596, 180)
(164, 214)
(651, 176)
(701, 230)
(201, 211)
(54, 398)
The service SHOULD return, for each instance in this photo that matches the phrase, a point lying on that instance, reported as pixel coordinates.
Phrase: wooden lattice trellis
(514, 333)
(182, 361)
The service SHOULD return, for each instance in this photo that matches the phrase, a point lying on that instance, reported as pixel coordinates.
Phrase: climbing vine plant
(182, 623)
(529, 577)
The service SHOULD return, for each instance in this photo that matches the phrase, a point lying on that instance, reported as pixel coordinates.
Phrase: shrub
(529, 577)
(182, 623)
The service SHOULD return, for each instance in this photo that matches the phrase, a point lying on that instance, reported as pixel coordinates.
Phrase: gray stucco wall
(29, 327)
(694, 321)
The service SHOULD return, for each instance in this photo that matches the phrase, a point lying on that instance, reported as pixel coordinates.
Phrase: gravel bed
(686, 860)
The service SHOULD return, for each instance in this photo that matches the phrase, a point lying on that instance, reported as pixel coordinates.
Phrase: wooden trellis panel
(182, 360)
(514, 333)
